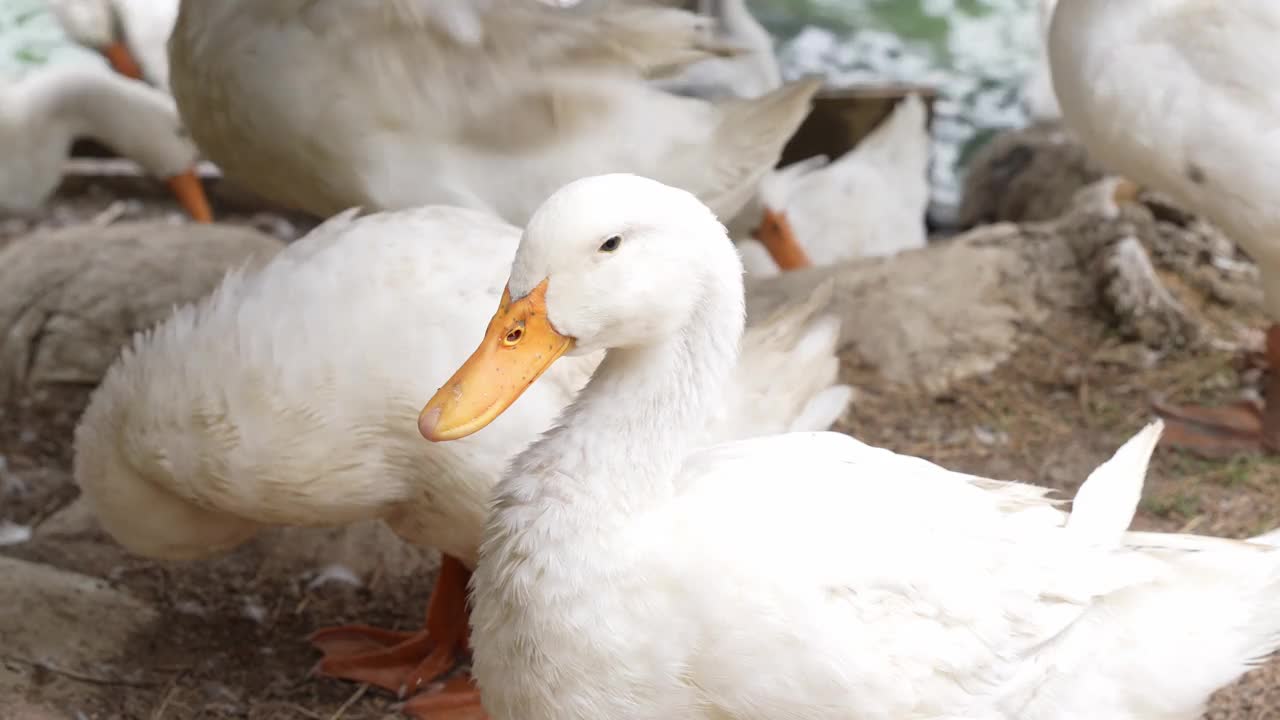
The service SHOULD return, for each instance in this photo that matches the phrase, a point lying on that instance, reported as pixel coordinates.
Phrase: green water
(977, 53)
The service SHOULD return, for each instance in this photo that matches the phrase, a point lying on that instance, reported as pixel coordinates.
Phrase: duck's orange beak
(190, 193)
(518, 347)
(122, 59)
(779, 239)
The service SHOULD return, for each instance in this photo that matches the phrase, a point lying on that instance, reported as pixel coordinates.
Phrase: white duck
(871, 202)
(43, 113)
(1195, 113)
(52, 92)
(625, 575)
(751, 73)
(274, 96)
(289, 397)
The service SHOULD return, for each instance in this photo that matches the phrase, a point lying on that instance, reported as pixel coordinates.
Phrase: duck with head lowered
(626, 574)
(60, 93)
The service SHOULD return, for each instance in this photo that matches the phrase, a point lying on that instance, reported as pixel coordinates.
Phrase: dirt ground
(230, 640)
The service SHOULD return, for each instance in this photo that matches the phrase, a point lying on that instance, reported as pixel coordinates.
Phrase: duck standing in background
(274, 93)
(1180, 95)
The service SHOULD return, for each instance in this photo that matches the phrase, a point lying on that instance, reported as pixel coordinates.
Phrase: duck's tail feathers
(750, 137)
(900, 143)
(1104, 506)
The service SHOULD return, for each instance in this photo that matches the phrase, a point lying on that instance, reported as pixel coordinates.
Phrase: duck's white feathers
(897, 589)
(42, 113)
(869, 202)
(1196, 113)
(365, 104)
(290, 395)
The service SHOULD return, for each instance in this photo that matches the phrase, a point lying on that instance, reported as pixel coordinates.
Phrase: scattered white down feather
(871, 202)
(290, 395)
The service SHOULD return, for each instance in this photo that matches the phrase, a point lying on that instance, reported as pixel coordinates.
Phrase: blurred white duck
(132, 34)
(273, 95)
(750, 73)
(1037, 91)
(625, 575)
(1194, 113)
(59, 93)
(289, 397)
(871, 202)
(42, 114)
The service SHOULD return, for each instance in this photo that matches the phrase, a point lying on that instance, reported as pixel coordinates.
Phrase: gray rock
(61, 625)
(1025, 175)
(71, 298)
(961, 307)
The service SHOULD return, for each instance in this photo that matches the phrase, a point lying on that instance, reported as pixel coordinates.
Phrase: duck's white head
(611, 261)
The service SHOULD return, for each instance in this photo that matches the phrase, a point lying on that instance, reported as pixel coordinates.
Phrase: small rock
(64, 622)
(71, 298)
(1025, 175)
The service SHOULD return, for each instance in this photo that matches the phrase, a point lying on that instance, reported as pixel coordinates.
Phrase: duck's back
(290, 396)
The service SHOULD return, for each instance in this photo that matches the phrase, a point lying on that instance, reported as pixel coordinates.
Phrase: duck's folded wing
(932, 590)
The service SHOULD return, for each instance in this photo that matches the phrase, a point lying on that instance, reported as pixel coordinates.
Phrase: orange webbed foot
(402, 662)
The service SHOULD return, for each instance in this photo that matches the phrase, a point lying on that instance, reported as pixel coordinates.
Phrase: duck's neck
(618, 447)
(106, 107)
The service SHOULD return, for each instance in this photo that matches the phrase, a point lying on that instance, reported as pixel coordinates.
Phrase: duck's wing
(527, 36)
(978, 599)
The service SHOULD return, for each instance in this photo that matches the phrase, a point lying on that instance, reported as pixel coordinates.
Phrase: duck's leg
(1230, 429)
(776, 235)
(407, 662)
(187, 189)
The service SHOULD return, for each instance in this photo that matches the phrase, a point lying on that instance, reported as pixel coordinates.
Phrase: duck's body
(42, 113)
(1195, 115)
(871, 202)
(289, 396)
(274, 95)
(624, 575)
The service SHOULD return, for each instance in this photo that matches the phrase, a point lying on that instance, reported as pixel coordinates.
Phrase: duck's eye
(513, 336)
(611, 244)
